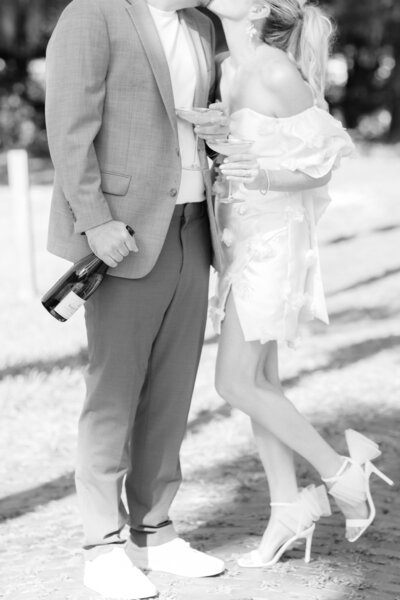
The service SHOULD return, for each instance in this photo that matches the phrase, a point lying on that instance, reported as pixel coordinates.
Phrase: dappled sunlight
(345, 375)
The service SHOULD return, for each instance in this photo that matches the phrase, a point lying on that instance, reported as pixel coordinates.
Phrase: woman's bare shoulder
(280, 77)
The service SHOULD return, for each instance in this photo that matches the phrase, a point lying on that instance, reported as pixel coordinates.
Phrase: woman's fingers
(233, 167)
(239, 179)
(245, 157)
(242, 178)
(240, 167)
(248, 171)
(239, 161)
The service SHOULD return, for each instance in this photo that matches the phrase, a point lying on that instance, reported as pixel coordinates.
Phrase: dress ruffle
(268, 241)
(312, 141)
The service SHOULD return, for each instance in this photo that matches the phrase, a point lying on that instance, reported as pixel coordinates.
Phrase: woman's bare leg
(278, 462)
(242, 379)
(277, 457)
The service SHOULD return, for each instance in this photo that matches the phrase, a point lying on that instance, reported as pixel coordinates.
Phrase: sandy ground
(343, 376)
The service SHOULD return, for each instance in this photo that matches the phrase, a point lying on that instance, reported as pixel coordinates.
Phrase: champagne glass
(199, 116)
(227, 147)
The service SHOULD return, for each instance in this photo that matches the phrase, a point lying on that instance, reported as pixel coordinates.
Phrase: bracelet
(264, 190)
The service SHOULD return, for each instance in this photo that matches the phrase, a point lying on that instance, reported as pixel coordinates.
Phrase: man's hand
(111, 242)
(219, 129)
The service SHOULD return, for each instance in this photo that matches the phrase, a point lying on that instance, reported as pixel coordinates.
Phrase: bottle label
(69, 305)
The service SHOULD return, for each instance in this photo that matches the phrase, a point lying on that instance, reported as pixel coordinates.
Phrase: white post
(18, 179)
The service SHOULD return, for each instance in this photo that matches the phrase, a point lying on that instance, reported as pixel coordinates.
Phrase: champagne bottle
(72, 290)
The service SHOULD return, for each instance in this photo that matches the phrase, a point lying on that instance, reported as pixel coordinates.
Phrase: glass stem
(230, 192)
(196, 143)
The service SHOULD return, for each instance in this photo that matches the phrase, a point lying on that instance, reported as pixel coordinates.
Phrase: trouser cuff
(145, 535)
(91, 552)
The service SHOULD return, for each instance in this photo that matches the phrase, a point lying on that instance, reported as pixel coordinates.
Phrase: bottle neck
(90, 264)
(97, 264)
(103, 268)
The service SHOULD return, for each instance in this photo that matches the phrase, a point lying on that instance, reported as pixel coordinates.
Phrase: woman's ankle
(331, 470)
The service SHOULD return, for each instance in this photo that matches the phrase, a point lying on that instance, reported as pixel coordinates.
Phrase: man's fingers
(117, 253)
(112, 242)
(130, 243)
(123, 250)
(109, 261)
(135, 246)
(217, 106)
(219, 129)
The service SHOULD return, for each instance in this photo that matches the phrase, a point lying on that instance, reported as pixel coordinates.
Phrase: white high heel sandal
(351, 482)
(300, 517)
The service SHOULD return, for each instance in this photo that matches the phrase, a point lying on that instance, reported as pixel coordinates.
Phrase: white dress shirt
(183, 73)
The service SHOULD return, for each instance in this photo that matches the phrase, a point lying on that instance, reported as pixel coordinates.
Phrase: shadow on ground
(71, 361)
(16, 504)
(366, 570)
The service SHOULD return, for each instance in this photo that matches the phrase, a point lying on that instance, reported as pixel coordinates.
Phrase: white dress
(271, 261)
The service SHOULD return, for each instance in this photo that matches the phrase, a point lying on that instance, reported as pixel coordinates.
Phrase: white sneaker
(176, 557)
(113, 575)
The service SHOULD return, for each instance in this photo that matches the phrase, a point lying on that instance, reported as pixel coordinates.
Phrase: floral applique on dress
(269, 242)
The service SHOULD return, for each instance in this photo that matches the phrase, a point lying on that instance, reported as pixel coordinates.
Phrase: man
(117, 69)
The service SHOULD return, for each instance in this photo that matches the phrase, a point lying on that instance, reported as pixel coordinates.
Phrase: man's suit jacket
(112, 127)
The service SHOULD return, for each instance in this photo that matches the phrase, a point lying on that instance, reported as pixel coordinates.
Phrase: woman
(273, 88)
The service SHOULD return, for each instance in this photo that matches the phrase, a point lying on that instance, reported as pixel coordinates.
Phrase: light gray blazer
(112, 127)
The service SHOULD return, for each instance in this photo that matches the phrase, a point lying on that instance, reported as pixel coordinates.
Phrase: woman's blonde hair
(305, 33)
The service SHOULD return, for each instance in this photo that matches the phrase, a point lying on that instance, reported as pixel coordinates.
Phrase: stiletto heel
(371, 468)
(300, 517)
(307, 555)
(351, 483)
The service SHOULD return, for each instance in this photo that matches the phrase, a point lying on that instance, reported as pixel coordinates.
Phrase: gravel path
(343, 376)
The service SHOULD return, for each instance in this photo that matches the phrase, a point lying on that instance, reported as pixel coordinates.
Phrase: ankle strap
(347, 461)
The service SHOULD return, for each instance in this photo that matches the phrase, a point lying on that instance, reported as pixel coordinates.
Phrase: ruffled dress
(269, 241)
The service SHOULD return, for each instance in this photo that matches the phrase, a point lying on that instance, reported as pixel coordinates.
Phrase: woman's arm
(290, 181)
(245, 168)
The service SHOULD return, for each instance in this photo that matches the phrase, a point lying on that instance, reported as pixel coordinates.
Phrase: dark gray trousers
(144, 338)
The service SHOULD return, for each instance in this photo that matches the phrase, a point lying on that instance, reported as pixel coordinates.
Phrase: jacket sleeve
(78, 56)
(213, 84)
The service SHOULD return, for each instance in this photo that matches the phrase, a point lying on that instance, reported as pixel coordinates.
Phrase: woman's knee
(231, 384)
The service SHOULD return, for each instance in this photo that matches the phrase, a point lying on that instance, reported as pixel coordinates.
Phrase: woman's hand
(244, 168)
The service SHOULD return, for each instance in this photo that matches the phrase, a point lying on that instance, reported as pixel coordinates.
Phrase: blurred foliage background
(364, 73)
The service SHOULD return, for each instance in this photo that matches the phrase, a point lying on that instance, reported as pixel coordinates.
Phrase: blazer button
(173, 192)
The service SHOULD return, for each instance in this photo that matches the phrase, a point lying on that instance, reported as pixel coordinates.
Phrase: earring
(251, 30)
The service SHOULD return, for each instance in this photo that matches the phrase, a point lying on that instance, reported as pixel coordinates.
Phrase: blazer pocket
(115, 184)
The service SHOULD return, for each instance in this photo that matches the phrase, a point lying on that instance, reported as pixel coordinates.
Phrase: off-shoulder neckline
(299, 114)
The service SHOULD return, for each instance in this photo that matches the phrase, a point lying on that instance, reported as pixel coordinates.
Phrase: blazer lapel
(199, 56)
(144, 25)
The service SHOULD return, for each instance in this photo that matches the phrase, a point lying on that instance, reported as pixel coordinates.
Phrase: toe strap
(251, 559)
(356, 522)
